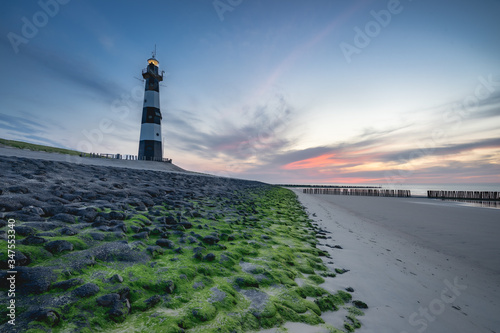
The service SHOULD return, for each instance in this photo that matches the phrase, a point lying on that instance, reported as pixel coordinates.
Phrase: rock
(141, 235)
(9, 204)
(88, 214)
(116, 279)
(32, 210)
(63, 217)
(58, 246)
(53, 210)
(97, 236)
(33, 240)
(210, 239)
(169, 286)
(198, 285)
(19, 257)
(87, 290)
(217, 295)
(116, 215)
(152, 301)
(34, 280)
(18, 189)
(165, 243)
(360, 304)
(24, 230)
(186, 225)
(48, 316)
(170, 219)
(209, 257)
(119, 311)
(67, 231)
(154, 249)
(108, 300)
(65, 285)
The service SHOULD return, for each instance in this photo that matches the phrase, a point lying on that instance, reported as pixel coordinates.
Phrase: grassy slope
(34, 147)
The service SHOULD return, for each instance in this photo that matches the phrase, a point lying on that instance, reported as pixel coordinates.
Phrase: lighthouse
(150, 146)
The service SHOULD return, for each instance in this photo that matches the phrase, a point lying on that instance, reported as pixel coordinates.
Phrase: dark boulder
(58, 246)
(211, 240)
(33, 240)
(63, 217)
(48, 316)
(24, 230)
(68, 231)
(32, 280)
(87, 290)
(165, 243)
(108, 300)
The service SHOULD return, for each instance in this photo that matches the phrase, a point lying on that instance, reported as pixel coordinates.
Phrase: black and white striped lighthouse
(150, 145)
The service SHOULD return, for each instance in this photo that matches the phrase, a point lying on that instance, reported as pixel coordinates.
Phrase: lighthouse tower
(150, 147)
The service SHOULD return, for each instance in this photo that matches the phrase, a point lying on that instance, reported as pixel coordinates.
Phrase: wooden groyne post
(472, 195)
(359, 192)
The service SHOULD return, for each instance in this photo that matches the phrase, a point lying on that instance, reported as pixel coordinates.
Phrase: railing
(159, 77)
(359, 192)
(124, 157)
(474, 195)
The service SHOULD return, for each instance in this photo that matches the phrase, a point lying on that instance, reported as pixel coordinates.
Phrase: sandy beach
(420, 265)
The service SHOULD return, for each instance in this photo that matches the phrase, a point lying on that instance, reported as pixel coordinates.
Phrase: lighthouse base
(150, 150)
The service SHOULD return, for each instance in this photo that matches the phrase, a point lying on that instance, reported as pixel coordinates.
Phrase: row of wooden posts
(359, 192)
(472, 195)
(476, 195)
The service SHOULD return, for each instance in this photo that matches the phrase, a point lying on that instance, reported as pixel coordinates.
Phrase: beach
(421, 265)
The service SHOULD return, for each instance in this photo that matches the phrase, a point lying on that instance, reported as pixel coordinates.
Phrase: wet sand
(421, 265)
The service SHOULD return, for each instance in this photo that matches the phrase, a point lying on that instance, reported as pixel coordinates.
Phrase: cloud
(71, 69)
(21, 125)
(262, 133)
(411, 154)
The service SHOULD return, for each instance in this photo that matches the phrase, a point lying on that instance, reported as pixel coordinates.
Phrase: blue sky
(281, 91)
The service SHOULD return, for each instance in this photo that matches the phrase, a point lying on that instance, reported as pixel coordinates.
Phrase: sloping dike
(116, 249)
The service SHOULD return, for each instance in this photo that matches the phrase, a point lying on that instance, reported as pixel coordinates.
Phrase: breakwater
(472, 195)
(359, 192)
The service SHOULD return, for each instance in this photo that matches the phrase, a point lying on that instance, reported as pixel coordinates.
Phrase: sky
(320, 91)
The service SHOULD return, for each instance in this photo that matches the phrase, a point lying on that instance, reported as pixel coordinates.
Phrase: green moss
(354, 321)
(316, 279)
(291, 300)
(345, 296)
(169, 280)
(355, 311)
(310, 291)
(328, 274)
(246, 281)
